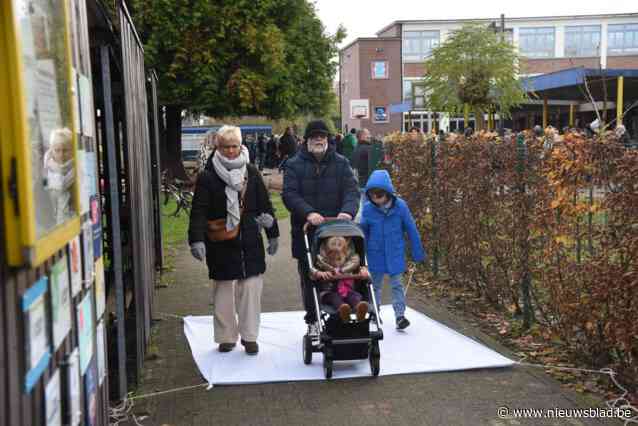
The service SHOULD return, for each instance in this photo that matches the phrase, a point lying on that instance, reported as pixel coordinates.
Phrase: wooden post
(545, 112)
(466, 116)
(571, 115)
(619, 100)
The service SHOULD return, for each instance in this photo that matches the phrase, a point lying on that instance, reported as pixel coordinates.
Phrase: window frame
(386, 70)
(23, 245)
(421, 52)
(579, 31)
(536, 32)
(416, 85)
(615, 51)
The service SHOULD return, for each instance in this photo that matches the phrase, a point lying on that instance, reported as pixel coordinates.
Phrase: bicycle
(176, 190)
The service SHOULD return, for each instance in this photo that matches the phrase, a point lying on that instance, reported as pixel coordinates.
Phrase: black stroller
(339, 340)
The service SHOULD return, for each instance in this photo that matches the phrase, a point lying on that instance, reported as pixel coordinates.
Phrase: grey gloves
(198, 250)
(265, 220)
(273, 245)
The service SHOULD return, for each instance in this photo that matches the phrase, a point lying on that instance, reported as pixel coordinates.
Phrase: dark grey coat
(327, 187)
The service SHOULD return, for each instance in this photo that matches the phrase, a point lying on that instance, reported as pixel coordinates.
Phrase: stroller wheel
(327, 367)
(375, 359)
(307, 349)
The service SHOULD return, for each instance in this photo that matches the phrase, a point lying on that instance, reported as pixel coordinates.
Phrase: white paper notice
(101, 356)
(73, 382)
(47, 99)
(37, 332)
(53, 402)
(60, 302)
(86, 104)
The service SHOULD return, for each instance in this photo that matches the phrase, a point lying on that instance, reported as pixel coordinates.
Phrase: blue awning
(572, 77)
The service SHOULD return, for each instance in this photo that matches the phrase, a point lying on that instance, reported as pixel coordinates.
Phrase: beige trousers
(237, 309)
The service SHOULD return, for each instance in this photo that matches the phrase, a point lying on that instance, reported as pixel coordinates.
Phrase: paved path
(457, 398)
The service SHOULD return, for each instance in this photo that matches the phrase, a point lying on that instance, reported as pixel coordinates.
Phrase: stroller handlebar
(326, 218)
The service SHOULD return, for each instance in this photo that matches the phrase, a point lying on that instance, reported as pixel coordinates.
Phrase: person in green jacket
(349, 144)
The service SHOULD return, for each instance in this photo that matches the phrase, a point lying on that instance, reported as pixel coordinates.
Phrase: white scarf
(233, 173)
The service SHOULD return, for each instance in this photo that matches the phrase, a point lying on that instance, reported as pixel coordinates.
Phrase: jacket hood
(380, 179)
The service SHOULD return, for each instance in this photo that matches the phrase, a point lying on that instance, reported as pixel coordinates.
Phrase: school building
(379, 76)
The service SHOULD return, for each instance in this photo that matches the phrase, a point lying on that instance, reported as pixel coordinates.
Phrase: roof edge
(507, 19)
(359, 39)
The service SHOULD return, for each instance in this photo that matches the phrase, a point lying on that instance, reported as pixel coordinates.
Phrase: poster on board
(53, 401)
(85, 331)
(86, 105)
(101, 355)
(87, 253)
(74, 410)
(37, 350)
(75, 266)
(60, 301)
(100, 291)
(90, 394)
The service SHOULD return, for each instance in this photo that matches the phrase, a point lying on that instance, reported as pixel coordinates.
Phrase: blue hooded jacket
(385, 230)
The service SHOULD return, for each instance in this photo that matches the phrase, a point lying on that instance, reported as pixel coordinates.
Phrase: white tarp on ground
(426, 346)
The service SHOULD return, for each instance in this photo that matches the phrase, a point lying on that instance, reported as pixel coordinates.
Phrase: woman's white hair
(228, 133)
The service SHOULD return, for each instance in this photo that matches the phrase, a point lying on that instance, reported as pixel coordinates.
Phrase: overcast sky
(363, 18)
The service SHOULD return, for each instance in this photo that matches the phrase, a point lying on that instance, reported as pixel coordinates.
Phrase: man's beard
(317, 150)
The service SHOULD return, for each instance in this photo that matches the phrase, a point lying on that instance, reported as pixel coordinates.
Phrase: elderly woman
(230, 207)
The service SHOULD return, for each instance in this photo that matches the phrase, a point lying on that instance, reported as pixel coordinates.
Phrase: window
(623, 39)
(536, 42)
(407, 90)
(381, 114)
(582, 40)
(418, 96)
(418, 45)
(379, 69)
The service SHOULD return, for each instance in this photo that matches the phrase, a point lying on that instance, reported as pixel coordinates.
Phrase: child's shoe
(362, 310)
(402, 323)
(344, 312)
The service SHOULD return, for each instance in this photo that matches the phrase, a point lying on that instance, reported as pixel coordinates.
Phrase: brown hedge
(545, 226)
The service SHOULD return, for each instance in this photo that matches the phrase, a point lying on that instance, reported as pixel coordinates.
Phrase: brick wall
(622, 62)
(414, 69)
(381, 92)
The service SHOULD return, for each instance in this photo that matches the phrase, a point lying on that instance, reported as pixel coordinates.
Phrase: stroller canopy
(337, 228)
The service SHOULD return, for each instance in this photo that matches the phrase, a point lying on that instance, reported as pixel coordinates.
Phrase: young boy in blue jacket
(384, 220)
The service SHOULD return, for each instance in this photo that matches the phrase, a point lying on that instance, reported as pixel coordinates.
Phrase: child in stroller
(334, 261)
(337, 256)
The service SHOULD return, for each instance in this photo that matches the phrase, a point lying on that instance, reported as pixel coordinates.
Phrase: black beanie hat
(316, 127)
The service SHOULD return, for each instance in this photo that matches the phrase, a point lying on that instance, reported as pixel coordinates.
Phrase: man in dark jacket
(232, 190)
(318, 183)
(361, 157)
(287, 146)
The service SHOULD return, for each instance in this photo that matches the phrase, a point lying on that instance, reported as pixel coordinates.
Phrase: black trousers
(306, 291)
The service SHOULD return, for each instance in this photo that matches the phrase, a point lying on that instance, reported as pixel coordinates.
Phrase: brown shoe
(362, 310)
(344, 312)
(252, 348)
(225, 347)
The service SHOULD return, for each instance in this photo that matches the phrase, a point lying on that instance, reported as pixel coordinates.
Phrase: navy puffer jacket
(327, 187)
